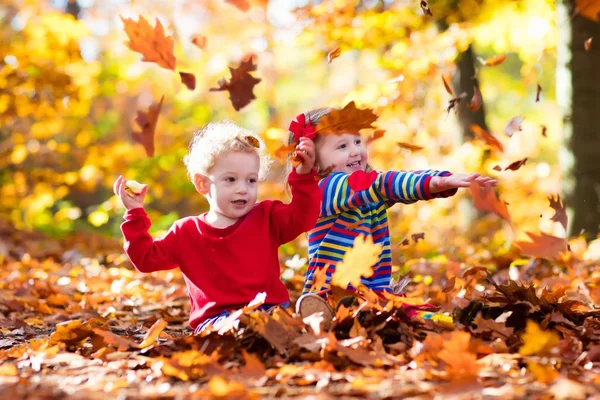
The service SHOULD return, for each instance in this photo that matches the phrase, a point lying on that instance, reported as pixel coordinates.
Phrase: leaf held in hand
(283, 151)
(150, 42)
(357, 262)
(349, 119)
(134, 187)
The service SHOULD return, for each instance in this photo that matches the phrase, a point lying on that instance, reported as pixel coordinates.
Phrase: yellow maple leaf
(357, 262)
(537, 341)
(346, 120)
(150, 42)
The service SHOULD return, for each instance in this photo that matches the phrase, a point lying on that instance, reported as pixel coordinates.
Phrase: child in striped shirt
(355, 201)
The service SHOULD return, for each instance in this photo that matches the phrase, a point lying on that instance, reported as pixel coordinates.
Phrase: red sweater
(227, 266)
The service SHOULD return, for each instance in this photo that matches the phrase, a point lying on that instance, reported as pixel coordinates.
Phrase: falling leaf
(537, 341)
(497, 168)
(418, 236)
(538, 92)
(147, 121)
(150, 42)
(333, 54)
(493, 61)
(543, 246)
(243, 5)
(560, 212)
(357, 262)
(347, 120)
(447, 78)
(588, 44)
(378, 134)
(241, 85)
(454, 102)
(426, 9)
(516, 165)
(282, 153)
(475, 103)
(485, 200)
(544, 130)
(513, 125)
(188, 79)
(404, 242)
(589, 9)
(409, 146)
(449, 285)
(152, 334)
(200, 41)
(490, 140)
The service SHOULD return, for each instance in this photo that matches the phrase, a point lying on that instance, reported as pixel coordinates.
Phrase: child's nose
(242, 188)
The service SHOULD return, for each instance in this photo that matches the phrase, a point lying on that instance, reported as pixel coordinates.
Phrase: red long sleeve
(227, 266)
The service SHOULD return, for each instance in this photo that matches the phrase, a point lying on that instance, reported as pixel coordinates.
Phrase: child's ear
(201, 183)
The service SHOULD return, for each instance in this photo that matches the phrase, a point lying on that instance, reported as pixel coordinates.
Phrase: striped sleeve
(386, 187)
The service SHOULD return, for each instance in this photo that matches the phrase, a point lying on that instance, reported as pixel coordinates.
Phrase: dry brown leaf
(347, 120)
(282, 153)
(147, 121)
(513, 125)
(333, 54)
(497, 168)
(543, 246)
(110, 338)
(476, 100)
(449, 285)
(447, 78)
(560, 212)
(426, 9)
(588, 44)
(241, 84)
(417, 236)
(243, 5)
(484, 199)
(544, 130)
(537, 93)
(199, 40)
(150, 42)
(454, 102)
(409, 146)
(357, 262)
(493, 61)
(378, 134)
(253, 367)
(490, 140)
(516, 165)
(153, 333)
(188, 79)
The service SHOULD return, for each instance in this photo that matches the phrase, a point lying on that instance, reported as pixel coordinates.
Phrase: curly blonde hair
(218, 138)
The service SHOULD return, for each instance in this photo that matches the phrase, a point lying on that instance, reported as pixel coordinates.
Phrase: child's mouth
(240, 202)
(354, 164)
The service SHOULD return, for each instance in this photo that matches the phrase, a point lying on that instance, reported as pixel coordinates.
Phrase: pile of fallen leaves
(90, 326)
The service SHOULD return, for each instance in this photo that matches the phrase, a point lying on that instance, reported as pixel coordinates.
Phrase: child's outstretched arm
(301, 214)
(145, 253)
(342, 192)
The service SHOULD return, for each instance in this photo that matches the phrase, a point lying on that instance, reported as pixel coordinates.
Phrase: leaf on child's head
(241, 85)
(560, 212)
(147, 121)
(484, 135)
(349, 119)
(150, 42)
(252, 141)
(543, 246)
(357, 262)
(513, 125)
(333, 54)
(484, 199)
(188, 79)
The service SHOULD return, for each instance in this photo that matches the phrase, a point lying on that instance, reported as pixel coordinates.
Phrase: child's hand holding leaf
(305, 151)
(131, 193)
(455, 181)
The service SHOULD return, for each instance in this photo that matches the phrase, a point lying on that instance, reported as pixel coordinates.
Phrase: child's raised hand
(306, 152)
(129, 201)
(440, 183)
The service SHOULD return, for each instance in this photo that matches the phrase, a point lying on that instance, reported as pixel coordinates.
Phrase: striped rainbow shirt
(357, 204)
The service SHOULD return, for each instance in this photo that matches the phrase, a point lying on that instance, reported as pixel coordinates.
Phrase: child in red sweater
(229, 254)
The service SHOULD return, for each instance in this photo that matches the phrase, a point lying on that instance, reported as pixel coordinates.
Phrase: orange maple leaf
(241, 85)
(378, 134)
(543, 246)
(319, 279)
(357, 262)
(147, 121)
(486, 137)
(485, 199)
(150, 42)
(346, 120)
(284, 151)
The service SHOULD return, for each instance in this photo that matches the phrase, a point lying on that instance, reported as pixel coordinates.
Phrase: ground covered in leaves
(76, 320)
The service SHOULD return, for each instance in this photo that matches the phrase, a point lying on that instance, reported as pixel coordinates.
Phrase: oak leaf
(333, 54)
(319, 279)
(543, 246)
(150, 42)
(537, 341)
(560, 212)
(357, 262)
(484, 199)
(346, 120)
(241, 84)
(484, 135)
(147, 121)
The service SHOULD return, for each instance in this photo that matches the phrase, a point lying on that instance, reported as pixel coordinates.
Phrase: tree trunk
(578, 94)
(467, 80)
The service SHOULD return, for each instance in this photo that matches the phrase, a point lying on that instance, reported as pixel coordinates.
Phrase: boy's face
(231, 186)
(347, 153)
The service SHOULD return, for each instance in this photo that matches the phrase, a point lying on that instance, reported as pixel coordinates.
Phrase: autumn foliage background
(70, 90)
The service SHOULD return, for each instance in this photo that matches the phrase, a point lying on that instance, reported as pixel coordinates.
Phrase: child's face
(232, 185)
(347, 153)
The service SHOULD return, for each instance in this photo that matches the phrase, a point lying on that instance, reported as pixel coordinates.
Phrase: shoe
(310, 303)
